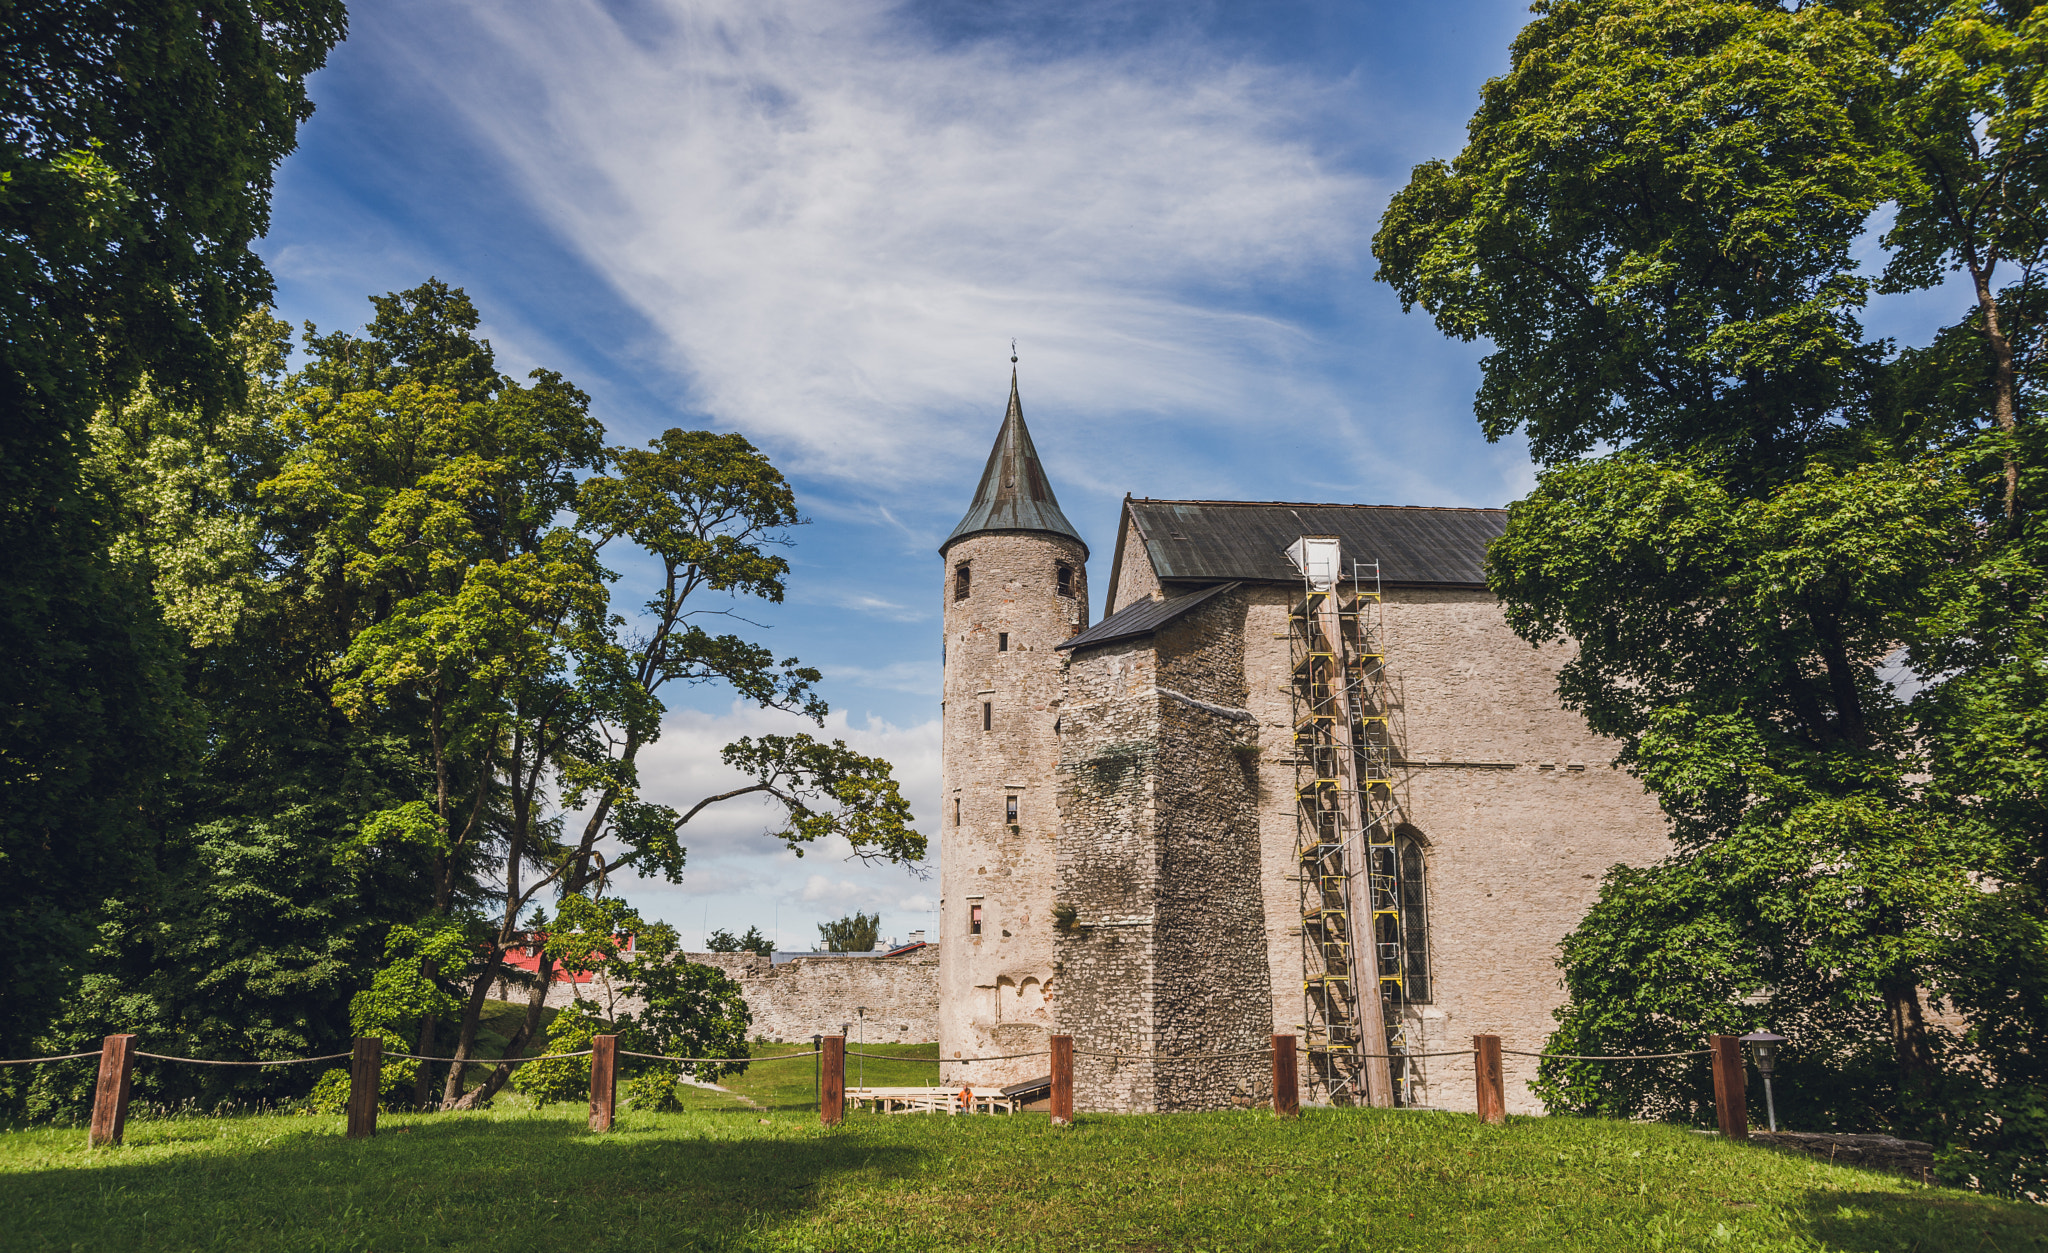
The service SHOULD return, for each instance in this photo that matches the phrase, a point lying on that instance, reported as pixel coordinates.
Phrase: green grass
(727, 1176)
(792, 1085)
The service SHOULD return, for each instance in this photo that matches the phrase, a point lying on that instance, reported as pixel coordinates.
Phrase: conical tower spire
(1014, 494)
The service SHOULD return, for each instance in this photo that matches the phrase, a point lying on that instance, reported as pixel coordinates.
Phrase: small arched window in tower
(1063, 575)
(1414, 919)
(1010, 811)
(988, 715)
(1002, 641)
(956, 811)
(974, 918)
(962, 577)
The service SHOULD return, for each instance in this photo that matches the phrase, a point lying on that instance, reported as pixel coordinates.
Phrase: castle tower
(1016, 587)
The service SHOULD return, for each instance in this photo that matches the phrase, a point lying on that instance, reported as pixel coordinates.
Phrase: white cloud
(734, 875)
(838, 225)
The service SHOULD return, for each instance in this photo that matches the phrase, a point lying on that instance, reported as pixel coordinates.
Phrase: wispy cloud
(837, 222)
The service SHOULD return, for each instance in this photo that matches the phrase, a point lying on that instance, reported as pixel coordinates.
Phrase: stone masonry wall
(809, 996)
(1515, 802)
(1214, 987)
(1108, 872)
(995, 987)
(1158, 862)
(1134, 577)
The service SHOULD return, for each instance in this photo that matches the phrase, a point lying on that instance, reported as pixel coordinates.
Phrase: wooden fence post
(1731, 1085)
(1492, 1084)
(365, 1078)
(604, 1081)
(832, 1086)
(1286, 1077)
(1062, 1080)
(110, 1101)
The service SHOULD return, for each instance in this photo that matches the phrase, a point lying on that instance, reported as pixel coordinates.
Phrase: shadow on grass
(1939, 1219)
(654, 1183)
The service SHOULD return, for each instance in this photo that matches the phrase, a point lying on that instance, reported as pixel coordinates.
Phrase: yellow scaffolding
(1349, 871)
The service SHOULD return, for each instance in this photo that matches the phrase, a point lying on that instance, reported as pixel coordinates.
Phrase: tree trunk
(494, 1082)
(2003, 375)
(472, 1014)
(1910, 1047)
(423, 1080)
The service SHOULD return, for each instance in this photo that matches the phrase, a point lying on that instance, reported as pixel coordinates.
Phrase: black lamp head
(1765, 1045)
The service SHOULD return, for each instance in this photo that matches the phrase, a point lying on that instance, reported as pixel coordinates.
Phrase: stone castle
(1300, 778)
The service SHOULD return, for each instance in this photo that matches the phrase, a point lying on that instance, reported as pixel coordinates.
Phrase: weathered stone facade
(1161, 946)
(1002, 692)
(1157, 908)
(893, 999)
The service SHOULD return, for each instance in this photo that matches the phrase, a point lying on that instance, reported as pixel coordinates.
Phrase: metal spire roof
(1014, 494)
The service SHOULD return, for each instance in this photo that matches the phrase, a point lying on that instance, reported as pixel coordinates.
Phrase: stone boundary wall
(808, 996)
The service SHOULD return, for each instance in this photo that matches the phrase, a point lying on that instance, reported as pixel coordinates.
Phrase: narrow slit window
(962, 580)
(956, 811)
(1002, 641)
(1010, 810)
(1414, 920)
(1063, 575)
(974, 919)
(988, 715)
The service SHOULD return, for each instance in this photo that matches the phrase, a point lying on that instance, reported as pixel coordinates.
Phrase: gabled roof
(1143, 618)
(1214, 540)
(1014, 494)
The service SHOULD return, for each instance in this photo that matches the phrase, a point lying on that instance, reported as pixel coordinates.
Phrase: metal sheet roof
(1203, 540)
(1143, 618)
(1014, 494)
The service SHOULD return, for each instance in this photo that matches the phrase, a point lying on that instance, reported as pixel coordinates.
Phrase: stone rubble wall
(808, 996)
(1159, 862)
(1107, 873)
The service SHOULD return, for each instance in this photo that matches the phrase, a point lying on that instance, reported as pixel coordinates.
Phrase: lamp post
(1765, 1045)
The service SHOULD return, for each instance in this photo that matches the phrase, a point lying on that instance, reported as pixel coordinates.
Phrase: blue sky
(821, 222)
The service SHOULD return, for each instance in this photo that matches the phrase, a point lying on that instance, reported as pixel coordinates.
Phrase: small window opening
(988, 715)
(1064, 574)
(1002, 641)
(961, 580)
(974, 919)
(956, 811)
(1414, 920)
(1010, 810)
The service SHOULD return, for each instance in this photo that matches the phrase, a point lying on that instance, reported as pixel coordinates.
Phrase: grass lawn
(726, 1175)
(793, 1085)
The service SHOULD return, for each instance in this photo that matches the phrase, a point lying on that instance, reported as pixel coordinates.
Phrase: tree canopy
(1802, 567)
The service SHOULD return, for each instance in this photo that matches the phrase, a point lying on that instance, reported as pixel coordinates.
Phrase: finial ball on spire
(1013, 352)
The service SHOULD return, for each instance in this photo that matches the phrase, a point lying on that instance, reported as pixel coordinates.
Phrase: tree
(855, 933)
(450, 523)
(1747, 505)
(135, 169)
(707, 508)
(723, 941)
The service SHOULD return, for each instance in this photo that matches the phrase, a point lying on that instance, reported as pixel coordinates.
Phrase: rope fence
(118, 1056)
(1608, 1057)
(208, 1061)
(62, 1057)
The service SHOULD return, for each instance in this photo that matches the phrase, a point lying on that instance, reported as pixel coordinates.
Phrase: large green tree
(137, 144)
(449, 523)
(1799, 564)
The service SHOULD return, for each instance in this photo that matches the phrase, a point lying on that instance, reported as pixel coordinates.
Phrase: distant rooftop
(1224, 540)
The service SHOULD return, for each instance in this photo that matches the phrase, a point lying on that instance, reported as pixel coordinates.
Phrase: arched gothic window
(961, 579)
(1414, 918)
(1063, 578)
